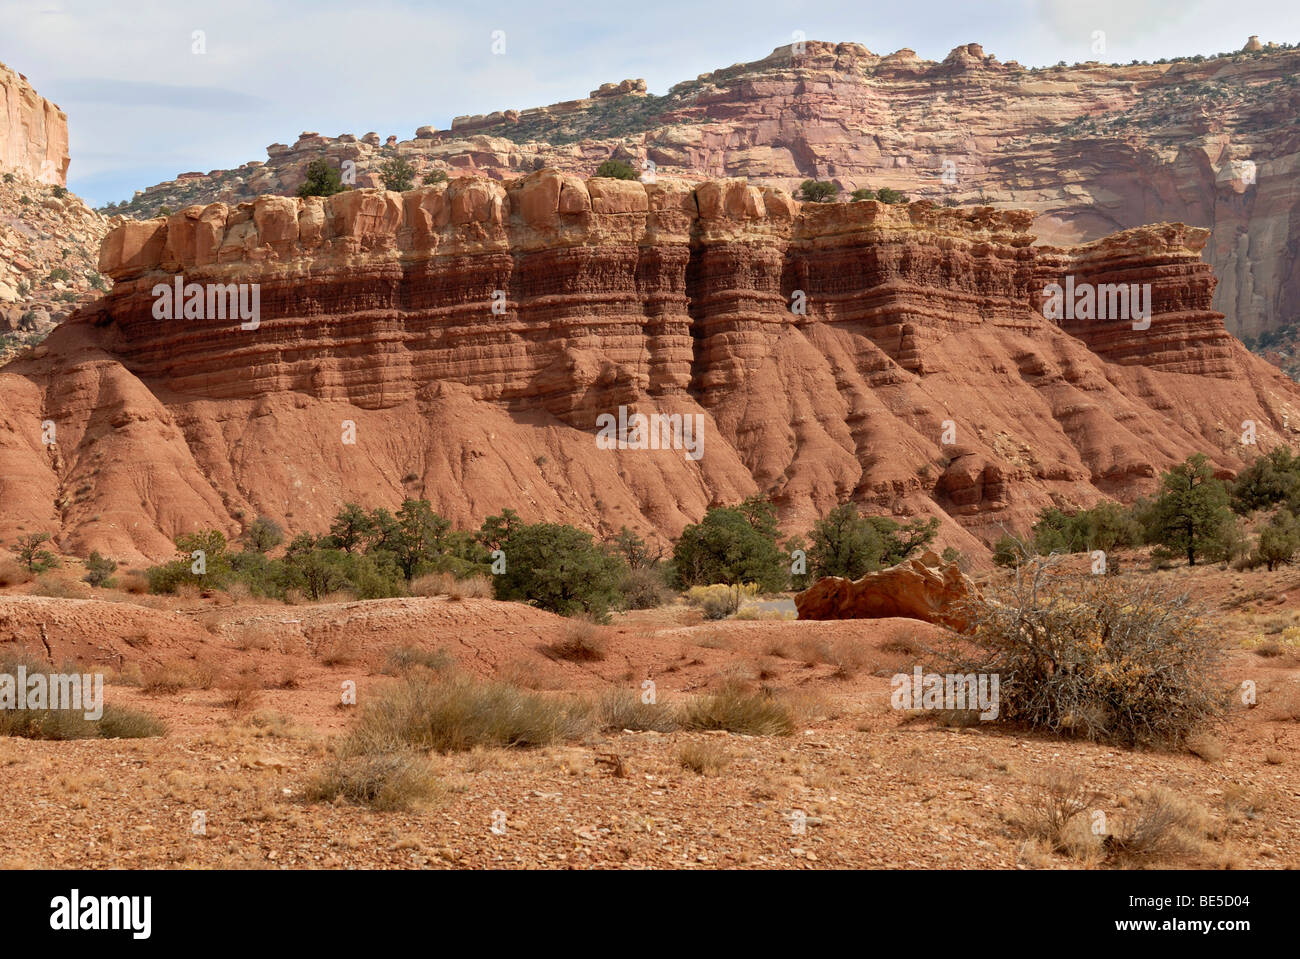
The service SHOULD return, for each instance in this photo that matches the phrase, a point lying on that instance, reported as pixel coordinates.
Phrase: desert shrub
(733, 544)
(1008, 551)
(1095, 657)
(559, 568)
(738, 710)
(863, 193)
(886, 195)
(707, 759)
(434, 177)
(163, 680)
(617, 170)
(818, 191)
(99, 570)
(388, 782)
(121, 723)
(1058, 812)
(433, 584)
(323, 179)
(14, 574)
(1279, 540)
(457, 713)
(644, 589)
(719, 600)
(624, 709)
(582, 642)
(1162, 825)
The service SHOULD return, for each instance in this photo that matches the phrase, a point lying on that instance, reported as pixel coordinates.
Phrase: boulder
(925, 588)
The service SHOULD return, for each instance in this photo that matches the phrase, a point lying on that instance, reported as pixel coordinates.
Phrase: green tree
(732, 545)
(419, 536)
(1269, 480)
(862, 193)
(397, 174)
(263, 535)
(818, 191)
(559, 568)
(31, 552)
(1190, 512)
(1279, 540)
(317, 573)
(634, 550)
(435, 176)
(849, 544)
(322, 179)
(351, 528)
(617, 170)
(886, 195)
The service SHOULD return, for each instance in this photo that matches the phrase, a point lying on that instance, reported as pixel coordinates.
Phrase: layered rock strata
(474, 334)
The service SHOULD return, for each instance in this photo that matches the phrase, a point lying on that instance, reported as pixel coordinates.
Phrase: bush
(737, 710)
(99, 570)
(458, 713)
(402, 659)
(263, 535)
(863, 194)
(434, 177)
(120, 723)
(1094, 657)
(581, 643)
(1008, 551)
(1105, 527)
(1269, 480)
(390, 782)
(733, 545)
(1279, 540)
(617, 170)
(886, 195)
(818, 191)
(322, 180)
(644, 589)
(720, 600)
(706, 759)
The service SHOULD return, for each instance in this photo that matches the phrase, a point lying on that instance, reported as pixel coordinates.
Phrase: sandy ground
(857, 785)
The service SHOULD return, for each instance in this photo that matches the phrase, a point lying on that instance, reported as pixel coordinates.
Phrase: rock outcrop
(49, 238)
(924, 588)
(33, 132)
(1091, 148)
(474, 333)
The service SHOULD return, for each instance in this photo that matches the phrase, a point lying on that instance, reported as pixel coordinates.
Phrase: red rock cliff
(919, 376)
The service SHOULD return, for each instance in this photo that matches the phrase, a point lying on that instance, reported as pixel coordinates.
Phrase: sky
(146, 100)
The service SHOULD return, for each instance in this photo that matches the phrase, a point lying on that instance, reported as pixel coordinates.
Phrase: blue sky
(143, 106)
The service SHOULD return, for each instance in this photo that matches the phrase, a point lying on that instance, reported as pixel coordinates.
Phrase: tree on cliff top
(397, 174)
(818, 191)
(617, 170)
(322, 180)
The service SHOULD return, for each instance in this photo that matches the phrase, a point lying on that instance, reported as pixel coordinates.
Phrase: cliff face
(33, 132)
(472, 335)
(1091, 149)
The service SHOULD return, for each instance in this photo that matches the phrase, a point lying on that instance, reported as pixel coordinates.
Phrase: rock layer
(1092, 148)
(473, 334)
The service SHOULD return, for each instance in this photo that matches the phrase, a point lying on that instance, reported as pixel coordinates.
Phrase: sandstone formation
(33, 132)
(924, 588)
(473, 332)
(1092, 148)
(49, 238)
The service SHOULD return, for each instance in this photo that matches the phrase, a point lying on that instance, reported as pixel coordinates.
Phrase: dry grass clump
(1095, 657)
(707, 759)
(624, 709)
(739, 710)
(164, 680)
(582, 642)
(473, 587)
(339, 651)
(387, 782)
(432, 584)
(1163, 826)
(445, 584)
(243, 691)
(457, 713)
(400, 660)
